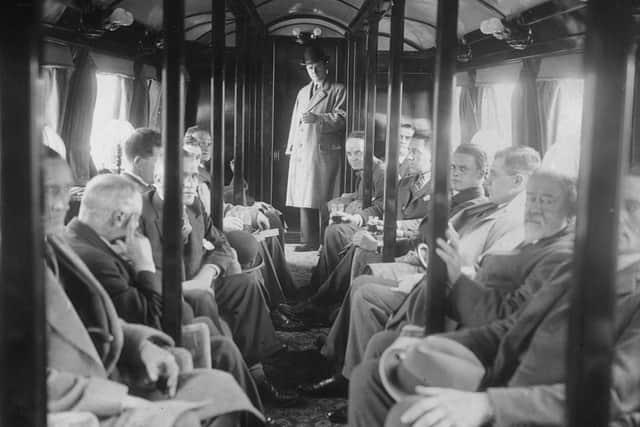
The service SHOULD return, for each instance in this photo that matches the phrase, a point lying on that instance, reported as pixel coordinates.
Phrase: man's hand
(262, 221)
(138, 249)
(262, 206)
(449, 253)
(288, 150)
(310, 118)
(354, 219)
(159, 363)
(231, 223)
(448, 407)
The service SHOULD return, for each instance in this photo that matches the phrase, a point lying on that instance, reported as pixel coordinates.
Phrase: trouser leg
(242, 304)
(371, 307)
(369, 403)
(310, 226)
(225, 356)
(379, 343)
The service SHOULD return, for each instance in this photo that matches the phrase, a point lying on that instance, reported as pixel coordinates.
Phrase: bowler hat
(313, 54)
(247, 248)
(432, 361)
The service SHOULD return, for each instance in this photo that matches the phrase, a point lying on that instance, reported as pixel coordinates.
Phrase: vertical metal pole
(370, 122)
(172, 132)
(22, 314)
(606, 125)
(239, 139)
(446, 42)
(217, 111)
(394, 105)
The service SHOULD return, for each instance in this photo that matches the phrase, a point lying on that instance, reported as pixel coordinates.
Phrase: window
(110, 126)
(495, 117)
(564, 153)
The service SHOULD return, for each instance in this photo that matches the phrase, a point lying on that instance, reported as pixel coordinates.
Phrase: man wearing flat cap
(315, 144)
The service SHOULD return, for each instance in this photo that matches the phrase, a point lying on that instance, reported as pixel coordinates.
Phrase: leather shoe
(283, 323)
(338, 415)
(335, 386)
(307, 247)
(292, 310)
(278, 398)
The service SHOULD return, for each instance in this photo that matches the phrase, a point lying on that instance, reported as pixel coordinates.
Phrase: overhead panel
(279, 10)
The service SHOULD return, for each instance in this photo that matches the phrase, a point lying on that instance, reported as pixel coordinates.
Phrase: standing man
(315, 144)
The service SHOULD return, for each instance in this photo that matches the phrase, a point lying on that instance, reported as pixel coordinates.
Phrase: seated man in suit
(375, 302)
(351, 203)
(469, 191)
(524, 356)
(95, 359)
(414, 193)
(211, 265)
(258, 216)
(141, 151)
(108, 214)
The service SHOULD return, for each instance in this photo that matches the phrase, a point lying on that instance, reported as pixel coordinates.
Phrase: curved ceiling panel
(285, 29)
(307, 24)
(278, 10)
(230, 40)
(418, 36)
(383, 45)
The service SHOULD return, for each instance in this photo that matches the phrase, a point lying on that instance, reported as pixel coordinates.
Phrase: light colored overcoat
(317, 149)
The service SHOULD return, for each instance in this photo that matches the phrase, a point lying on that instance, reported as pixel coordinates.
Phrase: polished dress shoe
(335, 386)
(285, 324)
(279, 398)
(307, 247)
(338, 415)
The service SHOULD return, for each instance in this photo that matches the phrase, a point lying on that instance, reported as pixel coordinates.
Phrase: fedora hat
(313, 54)
(432, 361)
(248, 249)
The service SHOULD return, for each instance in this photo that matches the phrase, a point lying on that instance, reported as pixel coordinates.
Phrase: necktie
(186, 226)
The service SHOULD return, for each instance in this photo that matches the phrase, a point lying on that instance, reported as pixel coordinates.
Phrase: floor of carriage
(302, 363)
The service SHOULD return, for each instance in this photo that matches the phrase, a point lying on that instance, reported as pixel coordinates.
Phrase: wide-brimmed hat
(432, 361)
(248, 249)
(313, 54)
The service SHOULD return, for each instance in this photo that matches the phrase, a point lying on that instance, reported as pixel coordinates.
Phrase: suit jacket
(194, 254)
(77, 377)
(410, 205)
(353, 202)
(136, 296)
(489, 228)
(506, 281)
(141, 186)
(525, 353)
(315, 164)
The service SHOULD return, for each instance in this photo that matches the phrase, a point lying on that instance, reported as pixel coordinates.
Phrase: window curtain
(155, 105)
(56, 86)
(139, 107)
(469, 113)
(78, 116)
(548, 111)
(525, 127)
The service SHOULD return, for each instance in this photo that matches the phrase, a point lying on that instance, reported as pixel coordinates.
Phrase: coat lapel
(76, 266)
(318, 96)
(63, 319)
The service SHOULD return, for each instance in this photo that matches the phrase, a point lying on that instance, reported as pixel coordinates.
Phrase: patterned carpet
(303, 363)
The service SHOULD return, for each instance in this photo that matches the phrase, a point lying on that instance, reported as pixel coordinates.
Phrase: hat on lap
(247, 248)
(432, 361)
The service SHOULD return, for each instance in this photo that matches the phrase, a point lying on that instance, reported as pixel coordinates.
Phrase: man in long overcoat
(316, 140)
